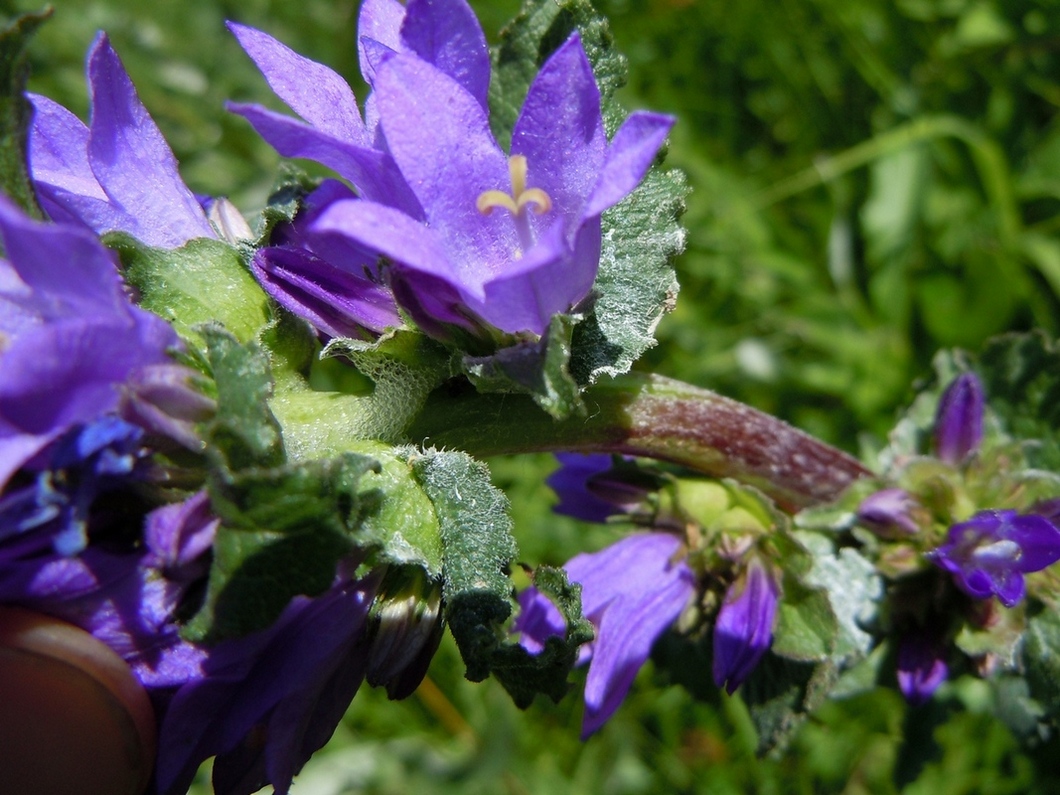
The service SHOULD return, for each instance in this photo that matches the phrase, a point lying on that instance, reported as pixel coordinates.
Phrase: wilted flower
(989, 554)
(118, 174)
(959, 420)
(743, 630)
(632, 591)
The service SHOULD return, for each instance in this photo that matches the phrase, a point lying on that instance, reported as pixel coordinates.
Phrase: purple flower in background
(118, 173)
(989, 554)
(590, 488)
(888, 510)
(743, 630)
(632, 591)
(265, 702)
(959, 421)
(471, 235)
(921, 665)
(70, 340)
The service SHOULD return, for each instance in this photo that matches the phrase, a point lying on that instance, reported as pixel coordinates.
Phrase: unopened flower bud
(743, 631)
(405, 628)
(959, 420)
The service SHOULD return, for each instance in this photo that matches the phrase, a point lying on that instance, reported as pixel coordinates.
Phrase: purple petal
(629, 157)
(548, 280)
(287, 685)
(447, 35)
(380, 21)
(743, 631)
(959, 420)
(561, 133)
(371, 171)
(391, 233)
(570, 482)
(1039, 541)
(538, 620)
(889, 509)
(133, 162)
(179, 534)
(921, 666)
(632, 591)
(335, 302)
(312, 90)
(440, 138)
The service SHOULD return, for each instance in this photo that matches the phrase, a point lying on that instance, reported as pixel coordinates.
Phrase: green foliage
(15, 110)
(203, 281)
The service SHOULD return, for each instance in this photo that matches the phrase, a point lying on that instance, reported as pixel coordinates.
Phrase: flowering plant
(242, 453)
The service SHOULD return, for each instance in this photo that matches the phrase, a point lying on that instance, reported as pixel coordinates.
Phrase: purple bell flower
(70, 340)
(743, 630)
(590, 489)
(472, 236)
(989, 554)
(267, 701)
(118, 173)
(889, 510)
(921, 665)
(959, 421)
(632, 591)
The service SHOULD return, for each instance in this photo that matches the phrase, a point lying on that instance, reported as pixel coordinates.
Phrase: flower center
(520, 197)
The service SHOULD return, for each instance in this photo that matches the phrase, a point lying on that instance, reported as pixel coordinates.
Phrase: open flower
(70, 341)
(508, 240)
(471, 235)
(118, 174)
(743, 630)
(632, 591)
(989, 554)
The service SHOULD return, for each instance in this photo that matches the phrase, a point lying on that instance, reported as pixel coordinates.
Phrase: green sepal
(203, 281)
(781, 694)
(537, 368)
(398, 516)
(283, 531)
(478, 548)
(1041, 659)
(16, 111)
(285, 200)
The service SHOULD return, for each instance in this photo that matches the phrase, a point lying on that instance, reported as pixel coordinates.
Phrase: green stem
(653, 417)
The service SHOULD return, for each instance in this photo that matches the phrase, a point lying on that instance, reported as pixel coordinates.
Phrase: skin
(73, 718)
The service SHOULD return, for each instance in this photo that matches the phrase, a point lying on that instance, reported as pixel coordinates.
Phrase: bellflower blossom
(632, 591)
(471, 235)
(989, 554)
(70, 341)
(743, 630)
(116, 174)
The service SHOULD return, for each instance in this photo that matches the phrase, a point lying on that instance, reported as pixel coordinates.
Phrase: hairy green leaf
(15, 110)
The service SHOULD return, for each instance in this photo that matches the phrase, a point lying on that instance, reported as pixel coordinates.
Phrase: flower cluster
(637, 588)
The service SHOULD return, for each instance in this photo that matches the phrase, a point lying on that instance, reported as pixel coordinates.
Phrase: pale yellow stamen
(520, 197)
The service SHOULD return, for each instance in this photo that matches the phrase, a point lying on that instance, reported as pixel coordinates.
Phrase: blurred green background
(873, 180)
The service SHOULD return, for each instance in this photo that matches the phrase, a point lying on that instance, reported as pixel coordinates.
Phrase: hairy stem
(653, 417)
